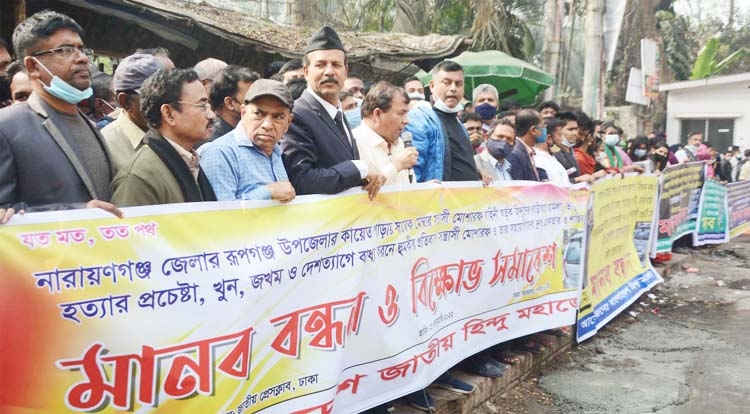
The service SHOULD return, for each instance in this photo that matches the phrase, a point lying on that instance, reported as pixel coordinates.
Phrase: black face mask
(498, 149)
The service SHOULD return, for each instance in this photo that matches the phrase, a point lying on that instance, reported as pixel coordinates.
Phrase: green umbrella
(513, 78)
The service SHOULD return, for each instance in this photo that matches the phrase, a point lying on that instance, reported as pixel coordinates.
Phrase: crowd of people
(73, 137)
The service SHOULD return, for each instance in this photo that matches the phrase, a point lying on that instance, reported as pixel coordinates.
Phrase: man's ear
(32, 67)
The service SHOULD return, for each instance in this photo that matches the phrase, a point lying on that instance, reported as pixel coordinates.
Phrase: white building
(718, 106)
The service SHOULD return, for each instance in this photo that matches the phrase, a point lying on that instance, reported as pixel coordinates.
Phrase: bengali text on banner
(738, 200)
(616, 265)
(326, 305)
(678, 203)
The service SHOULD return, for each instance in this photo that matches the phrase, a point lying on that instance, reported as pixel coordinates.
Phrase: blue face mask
(63, 90)
(486, 111)
(498, 149)
(640, 152)
(542, 138)
(353, 117)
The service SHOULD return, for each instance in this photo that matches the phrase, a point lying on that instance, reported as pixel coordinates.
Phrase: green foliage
(679, 45)
(706, 64)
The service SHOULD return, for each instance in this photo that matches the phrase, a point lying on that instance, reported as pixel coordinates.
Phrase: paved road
(686, 352)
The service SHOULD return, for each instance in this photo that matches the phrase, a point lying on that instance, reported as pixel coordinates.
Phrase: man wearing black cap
(125, 134)
(245, 164)
(320, 153)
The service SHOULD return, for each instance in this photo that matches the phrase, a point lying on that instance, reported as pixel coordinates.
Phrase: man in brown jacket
(167, 169)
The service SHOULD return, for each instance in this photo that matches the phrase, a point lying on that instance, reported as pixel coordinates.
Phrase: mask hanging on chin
(442, 107)
(63, 90)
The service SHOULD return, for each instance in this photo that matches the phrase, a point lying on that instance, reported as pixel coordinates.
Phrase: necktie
(339, 118)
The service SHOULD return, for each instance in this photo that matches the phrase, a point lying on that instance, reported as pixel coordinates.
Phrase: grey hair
(484, 88)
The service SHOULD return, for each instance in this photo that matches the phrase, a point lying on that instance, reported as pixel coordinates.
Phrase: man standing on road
(320, 153)
(51, 156)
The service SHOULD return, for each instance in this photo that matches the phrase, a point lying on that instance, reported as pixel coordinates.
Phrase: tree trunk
(592, 70)
(552, 29)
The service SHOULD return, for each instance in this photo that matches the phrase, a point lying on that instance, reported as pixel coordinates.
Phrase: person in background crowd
(20, 84)
(617, 159)
(445, 152)
(485, 100)
(160, 53)
(167, 168)
(596, 151)
(493, 162)
(124, 136)
(351, 110)
(320, 154)
(103, 103)
(227, 95)
(584, 142)
(597, 131)
(509, 115)
(51, 156)
(556, 173)
(246, 164)
(384, 112)
(207, 70)
(414, 89)
(509, 105)
(736, 156)
(705, 153)
(640, 149)
(530, 129)
(474, 126)
(745, 167)
(355, 86)
(688, 152)
(548, 109)
(291, 70)
(660, 156)
(6, 57)
(565, 141)
(273, 69)
(296, 87)
(724, 166)
(672, 151)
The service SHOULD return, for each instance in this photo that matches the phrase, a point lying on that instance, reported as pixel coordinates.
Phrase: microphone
(407, 138)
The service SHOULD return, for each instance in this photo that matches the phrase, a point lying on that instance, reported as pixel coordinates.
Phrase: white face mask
(441, 106)
(612, 139)
(416, 96)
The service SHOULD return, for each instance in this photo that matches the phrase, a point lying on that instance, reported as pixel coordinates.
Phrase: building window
(719, 132)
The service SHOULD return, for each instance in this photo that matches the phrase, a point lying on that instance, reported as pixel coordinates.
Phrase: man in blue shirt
(245, 164)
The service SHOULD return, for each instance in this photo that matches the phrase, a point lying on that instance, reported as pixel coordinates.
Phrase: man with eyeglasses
(51, 156)
(125, 134)
(227, 93)
(166, 169)
(246, 164)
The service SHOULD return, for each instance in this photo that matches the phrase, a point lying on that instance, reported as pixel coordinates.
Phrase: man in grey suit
(320, 153)
(51, 156)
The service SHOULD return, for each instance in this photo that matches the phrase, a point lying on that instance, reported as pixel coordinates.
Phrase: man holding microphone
(379, 137)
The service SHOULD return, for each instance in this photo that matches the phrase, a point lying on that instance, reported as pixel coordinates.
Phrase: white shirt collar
(326, 105)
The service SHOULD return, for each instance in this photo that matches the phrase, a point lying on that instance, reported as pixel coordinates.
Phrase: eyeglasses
(204, 106)
(66, 51)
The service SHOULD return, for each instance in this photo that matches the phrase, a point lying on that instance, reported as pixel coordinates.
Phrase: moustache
(329, 80)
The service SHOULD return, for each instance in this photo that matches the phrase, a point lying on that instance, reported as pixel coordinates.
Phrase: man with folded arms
(246, 164)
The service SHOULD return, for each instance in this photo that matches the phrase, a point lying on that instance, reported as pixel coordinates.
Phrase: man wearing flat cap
(245, 164)
(320, 153)
(124, 136)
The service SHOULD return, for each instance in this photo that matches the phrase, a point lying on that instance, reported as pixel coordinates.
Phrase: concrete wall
(715, 101)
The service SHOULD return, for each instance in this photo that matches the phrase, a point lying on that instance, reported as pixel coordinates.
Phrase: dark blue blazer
(317, 155)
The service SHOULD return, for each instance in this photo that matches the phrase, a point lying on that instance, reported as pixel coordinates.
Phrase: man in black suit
(320, 153)
(51, 156)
